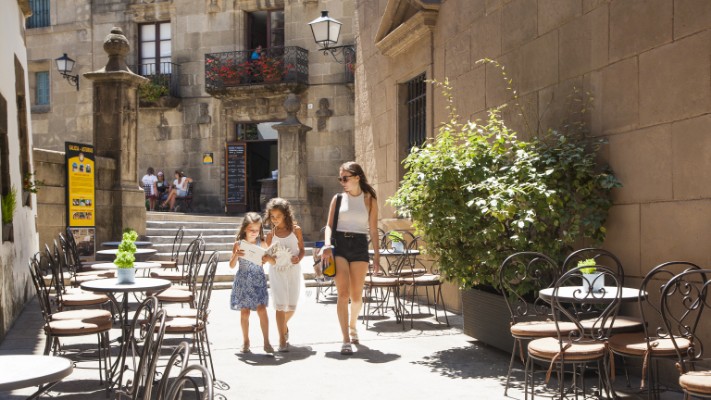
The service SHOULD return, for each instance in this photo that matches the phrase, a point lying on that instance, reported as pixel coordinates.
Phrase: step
(186, 218)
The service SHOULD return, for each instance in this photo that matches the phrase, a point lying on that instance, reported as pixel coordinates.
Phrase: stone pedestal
(116, 135)
(293, 170)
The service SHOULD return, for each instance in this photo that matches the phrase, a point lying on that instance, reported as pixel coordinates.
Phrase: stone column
(116, 136)
(293, 172)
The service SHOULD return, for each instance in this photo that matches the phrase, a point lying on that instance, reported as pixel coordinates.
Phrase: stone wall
(175, 136)
(52, 200)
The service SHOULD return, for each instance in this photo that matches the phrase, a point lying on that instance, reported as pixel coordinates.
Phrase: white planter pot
(596, 280)
(398, 247)
(126, 276)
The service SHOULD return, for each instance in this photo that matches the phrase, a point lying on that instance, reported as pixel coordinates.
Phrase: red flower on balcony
(222, 71)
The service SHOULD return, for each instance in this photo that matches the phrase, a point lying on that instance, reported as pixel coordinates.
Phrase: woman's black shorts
(352, 246)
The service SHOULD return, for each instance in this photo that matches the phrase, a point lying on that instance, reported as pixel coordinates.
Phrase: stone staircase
(219, 234)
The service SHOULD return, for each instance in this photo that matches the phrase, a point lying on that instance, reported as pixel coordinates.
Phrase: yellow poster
(80, 184)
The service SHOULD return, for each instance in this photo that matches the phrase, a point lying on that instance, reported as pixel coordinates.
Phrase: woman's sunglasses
(344, 178)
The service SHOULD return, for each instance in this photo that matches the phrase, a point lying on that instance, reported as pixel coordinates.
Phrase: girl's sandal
(346, 349)
(268, 348)
(245, 348)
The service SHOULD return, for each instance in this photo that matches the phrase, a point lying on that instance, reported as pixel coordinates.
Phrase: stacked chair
(68, 297)
(685, 301)
(174, 251)
(185, 280)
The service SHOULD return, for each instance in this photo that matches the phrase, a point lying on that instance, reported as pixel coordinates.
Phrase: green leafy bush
(126, 250)
(477, 194)
(153, 90)
(8, 204)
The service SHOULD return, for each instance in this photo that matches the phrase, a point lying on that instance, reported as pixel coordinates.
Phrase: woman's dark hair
(151, 171)
(282, 205)
(356, 170)
(250, 218)
(180, 173)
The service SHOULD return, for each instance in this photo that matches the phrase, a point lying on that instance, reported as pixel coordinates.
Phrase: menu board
(236, 177)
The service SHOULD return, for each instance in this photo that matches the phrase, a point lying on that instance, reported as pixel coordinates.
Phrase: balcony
(163, 81)
(276, 67)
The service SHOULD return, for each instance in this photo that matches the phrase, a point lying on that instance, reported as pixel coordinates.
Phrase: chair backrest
(650, 306)
(177, 242)
(146, 334)
(178, 358)
(55, 262)
(685, 298)
(603, 322)
(203, 385)
(194, 261)
(601, 257)
(41, 289)
(206, 285)
(521, 274)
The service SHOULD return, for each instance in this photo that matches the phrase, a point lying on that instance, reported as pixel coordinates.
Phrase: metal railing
(40, 14)
(164, 74)
(273, 65)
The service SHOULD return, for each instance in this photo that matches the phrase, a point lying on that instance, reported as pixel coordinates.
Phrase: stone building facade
(645, 64)
(19, 235)
(198, 117)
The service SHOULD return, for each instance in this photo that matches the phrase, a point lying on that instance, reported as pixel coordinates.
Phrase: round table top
(575, 294)
(115, 245)
(391, 252)
(21, 371)
(112, 252)
(136, 265)
(111, 285)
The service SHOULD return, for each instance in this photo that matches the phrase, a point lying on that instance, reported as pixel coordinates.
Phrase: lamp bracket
(73, 79)
(345, 54)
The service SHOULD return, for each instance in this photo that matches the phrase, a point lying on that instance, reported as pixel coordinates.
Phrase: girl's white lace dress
(285, 277)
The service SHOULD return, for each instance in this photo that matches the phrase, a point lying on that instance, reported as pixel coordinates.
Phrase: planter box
(486, 318)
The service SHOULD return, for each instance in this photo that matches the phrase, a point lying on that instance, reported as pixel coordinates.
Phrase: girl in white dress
(284, 272)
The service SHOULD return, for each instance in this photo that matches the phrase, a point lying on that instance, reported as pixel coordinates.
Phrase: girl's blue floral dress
(249, 288)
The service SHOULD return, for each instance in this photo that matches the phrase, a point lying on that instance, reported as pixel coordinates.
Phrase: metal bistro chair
(174, 251)
(580, 346)
(72, 323)
(195, 321)
(178, 359)
(145, 341)
(530, 317)
(653, 343)
(204, 385)
(68, 297)
(380, 289)
(185, 291)
(685, 301)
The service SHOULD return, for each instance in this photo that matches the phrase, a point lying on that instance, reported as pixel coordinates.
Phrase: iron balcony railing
(273, 65)
(164, 74)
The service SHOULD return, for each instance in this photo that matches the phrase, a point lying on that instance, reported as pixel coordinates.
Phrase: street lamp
(65, 65)
(326, 31)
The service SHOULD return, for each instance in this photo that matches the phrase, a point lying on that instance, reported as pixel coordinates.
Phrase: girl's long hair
(284, 206)
(356, 170)
(250, 218)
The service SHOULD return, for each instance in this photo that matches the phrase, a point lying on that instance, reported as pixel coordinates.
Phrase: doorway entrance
(258, 144)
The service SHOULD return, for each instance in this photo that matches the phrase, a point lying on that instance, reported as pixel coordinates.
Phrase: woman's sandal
(354, 336)
(245, 348)
(347, 349)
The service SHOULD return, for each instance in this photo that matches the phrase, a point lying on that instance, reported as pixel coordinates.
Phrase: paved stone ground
(430, 361)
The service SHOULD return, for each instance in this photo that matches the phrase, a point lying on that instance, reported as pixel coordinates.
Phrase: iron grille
(40, 14)
(164, 74)
(274, 65)
(416, 111)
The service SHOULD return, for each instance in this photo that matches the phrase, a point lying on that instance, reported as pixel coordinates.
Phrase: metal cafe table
(110, 287)
(115, 245)
(21, 371)
(110, 254)
(575, 294)
(142, 265)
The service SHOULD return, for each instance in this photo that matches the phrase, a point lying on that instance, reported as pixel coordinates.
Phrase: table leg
(118, 366)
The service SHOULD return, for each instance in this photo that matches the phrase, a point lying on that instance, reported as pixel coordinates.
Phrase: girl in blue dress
(249, 289)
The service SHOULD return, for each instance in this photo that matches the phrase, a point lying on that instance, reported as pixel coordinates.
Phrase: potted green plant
(397, 241)
(592, 280)
(8, 203)
(125, 258)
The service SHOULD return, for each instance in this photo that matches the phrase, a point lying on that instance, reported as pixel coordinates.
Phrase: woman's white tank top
(353, 215)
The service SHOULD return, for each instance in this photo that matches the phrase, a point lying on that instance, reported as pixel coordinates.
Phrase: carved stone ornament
(323, 114)
(116, 46)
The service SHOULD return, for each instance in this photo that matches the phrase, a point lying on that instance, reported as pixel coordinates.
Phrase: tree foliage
(477, 194)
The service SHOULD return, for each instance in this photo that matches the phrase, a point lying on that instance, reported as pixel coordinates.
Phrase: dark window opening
(22, 129)
(265, 28)
(4, 150)
(416, 111)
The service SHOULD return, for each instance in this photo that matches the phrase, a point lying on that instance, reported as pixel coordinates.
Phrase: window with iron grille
(155, 48)
(40, 14)
(416, 111)
(42, 88)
